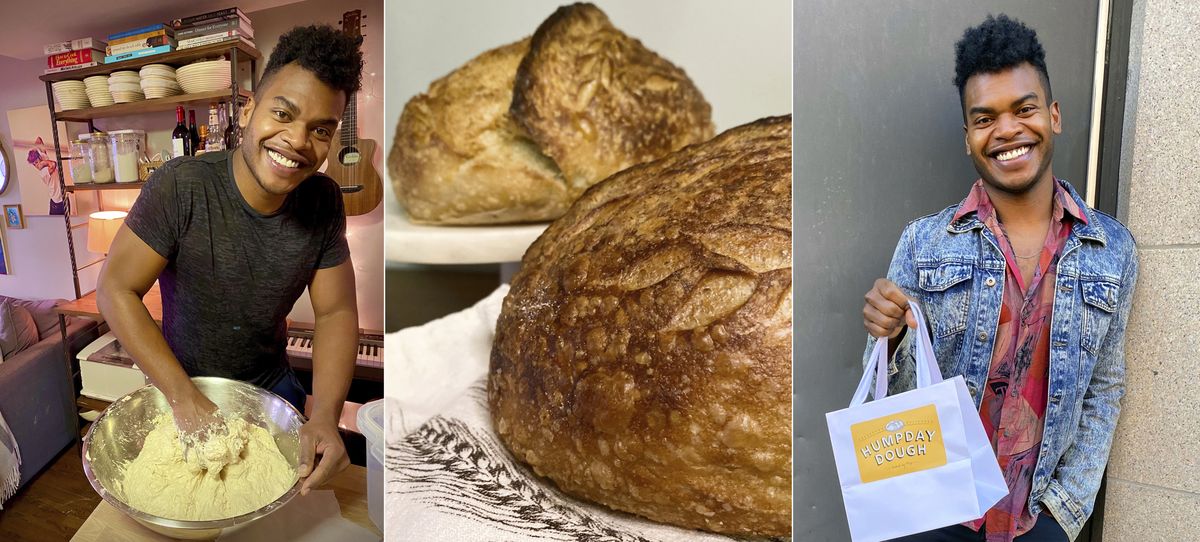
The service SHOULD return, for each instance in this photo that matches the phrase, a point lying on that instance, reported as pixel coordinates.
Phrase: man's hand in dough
(196, 418)
(323, 439)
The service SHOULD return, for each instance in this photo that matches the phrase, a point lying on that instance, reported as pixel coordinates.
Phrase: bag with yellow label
(914, 461)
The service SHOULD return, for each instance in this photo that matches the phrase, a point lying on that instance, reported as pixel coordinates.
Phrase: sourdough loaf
(519, 132)
(642, 358)
(458, 157)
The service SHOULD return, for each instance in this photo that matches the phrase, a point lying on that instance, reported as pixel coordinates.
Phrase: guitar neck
(350, 121)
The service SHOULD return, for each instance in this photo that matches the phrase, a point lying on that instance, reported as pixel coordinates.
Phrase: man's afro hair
(328, 53)
(999, 43)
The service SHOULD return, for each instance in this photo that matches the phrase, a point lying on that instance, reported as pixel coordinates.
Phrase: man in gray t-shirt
(233, 273)
(234, 238)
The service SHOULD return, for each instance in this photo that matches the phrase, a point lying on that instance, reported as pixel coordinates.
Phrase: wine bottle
(228, 120)
(215, 140)
(181, 140)
(203, 148)
(195, 133)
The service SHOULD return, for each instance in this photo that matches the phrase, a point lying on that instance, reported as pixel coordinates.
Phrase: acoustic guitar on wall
(350, 158)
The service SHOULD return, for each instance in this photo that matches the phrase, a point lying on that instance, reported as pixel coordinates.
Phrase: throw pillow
(43, 314)
(18, 330)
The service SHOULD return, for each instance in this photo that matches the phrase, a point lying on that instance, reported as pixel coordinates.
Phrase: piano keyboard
(370, 348)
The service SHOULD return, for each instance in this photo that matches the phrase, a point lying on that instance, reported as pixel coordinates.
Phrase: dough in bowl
(243, 471)
(642, 358)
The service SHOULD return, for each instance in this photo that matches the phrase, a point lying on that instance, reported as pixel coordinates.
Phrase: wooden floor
(52, 506)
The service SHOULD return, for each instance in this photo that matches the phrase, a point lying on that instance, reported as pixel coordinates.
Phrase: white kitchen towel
(428, 367)
(449, 478)
(10, 463)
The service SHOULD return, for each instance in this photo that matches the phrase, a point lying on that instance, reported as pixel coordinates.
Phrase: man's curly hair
(997, 44)
(326, 52)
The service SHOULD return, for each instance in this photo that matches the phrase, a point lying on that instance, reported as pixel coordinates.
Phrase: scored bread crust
(458, 157)
(489, 143)
(642, 358)
(597, 101)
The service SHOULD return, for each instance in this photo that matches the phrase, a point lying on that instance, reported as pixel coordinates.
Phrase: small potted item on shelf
(147, 166)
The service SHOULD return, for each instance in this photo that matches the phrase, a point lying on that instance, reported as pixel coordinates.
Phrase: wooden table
(86, 305)
(106, 523)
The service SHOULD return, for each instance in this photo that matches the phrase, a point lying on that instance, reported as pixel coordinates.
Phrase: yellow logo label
(899, 443)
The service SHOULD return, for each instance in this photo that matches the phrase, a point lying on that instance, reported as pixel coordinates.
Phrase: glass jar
(81, 168)
(127, 148)
(98, 158)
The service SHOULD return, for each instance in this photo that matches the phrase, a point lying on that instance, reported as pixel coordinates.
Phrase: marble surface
(414, 243)
(1149, 514)
(1164, 162)
(1154, 443)
(1154, 468)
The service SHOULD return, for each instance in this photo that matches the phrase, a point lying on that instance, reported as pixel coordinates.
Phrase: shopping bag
(914, 461)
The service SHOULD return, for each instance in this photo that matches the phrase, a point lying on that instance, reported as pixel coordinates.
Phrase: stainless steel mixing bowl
(116, 438)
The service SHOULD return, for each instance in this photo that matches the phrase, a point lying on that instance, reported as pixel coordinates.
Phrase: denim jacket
(955, 270)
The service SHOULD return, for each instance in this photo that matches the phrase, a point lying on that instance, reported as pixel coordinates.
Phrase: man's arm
(128, 273)
(335, 344)
(1081, 468)
(886, 312)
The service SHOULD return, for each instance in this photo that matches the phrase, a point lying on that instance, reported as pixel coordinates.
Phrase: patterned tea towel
(448, 476)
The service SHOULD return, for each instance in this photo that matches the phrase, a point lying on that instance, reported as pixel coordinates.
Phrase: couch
(37, 390)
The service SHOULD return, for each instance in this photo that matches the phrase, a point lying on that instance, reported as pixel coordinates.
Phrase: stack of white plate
(126, 86)
(97, 90)
(158, 81)
(204, 76)
(71, 95)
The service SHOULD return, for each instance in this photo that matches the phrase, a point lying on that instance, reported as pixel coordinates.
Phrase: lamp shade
(102, 227)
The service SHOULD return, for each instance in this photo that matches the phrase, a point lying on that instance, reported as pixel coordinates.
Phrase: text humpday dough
(882, 454)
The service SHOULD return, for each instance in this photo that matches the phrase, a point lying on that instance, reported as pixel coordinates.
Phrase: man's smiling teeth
(282, 160)
(1009, 155)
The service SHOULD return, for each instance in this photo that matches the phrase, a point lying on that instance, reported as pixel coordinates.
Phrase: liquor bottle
(232, 137)
(181, 140)
(203, 148)
(192, 129)
(215, 140)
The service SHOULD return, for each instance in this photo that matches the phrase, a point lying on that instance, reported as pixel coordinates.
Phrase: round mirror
(4, 169)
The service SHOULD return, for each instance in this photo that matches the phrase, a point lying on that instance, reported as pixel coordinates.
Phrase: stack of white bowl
(158, 81)
(71, 95)
(126, 86)
(204, 76)
(97, 90)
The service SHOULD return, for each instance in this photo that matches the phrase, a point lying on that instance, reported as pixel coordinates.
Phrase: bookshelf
(237, 51)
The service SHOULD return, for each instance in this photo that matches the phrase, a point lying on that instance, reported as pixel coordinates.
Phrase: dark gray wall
(879, 142)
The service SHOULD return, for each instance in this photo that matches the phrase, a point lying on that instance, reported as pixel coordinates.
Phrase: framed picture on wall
(13, 217)
(35, 163)
(4, 269)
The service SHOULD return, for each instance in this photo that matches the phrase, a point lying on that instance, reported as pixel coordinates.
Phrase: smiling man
(1027, 291)
(234, 238)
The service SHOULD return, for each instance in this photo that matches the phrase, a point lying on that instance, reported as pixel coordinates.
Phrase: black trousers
(1045, 530)
(290, 388)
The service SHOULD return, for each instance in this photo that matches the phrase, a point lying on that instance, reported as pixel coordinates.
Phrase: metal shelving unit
(237, 52)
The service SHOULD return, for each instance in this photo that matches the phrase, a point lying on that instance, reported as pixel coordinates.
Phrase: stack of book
(213, 27)
(74, 54)
(140, 42)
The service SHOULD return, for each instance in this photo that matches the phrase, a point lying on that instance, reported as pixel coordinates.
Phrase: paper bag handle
(928, 372)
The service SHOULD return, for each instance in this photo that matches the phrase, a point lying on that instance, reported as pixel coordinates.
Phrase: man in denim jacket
(1027, 292)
